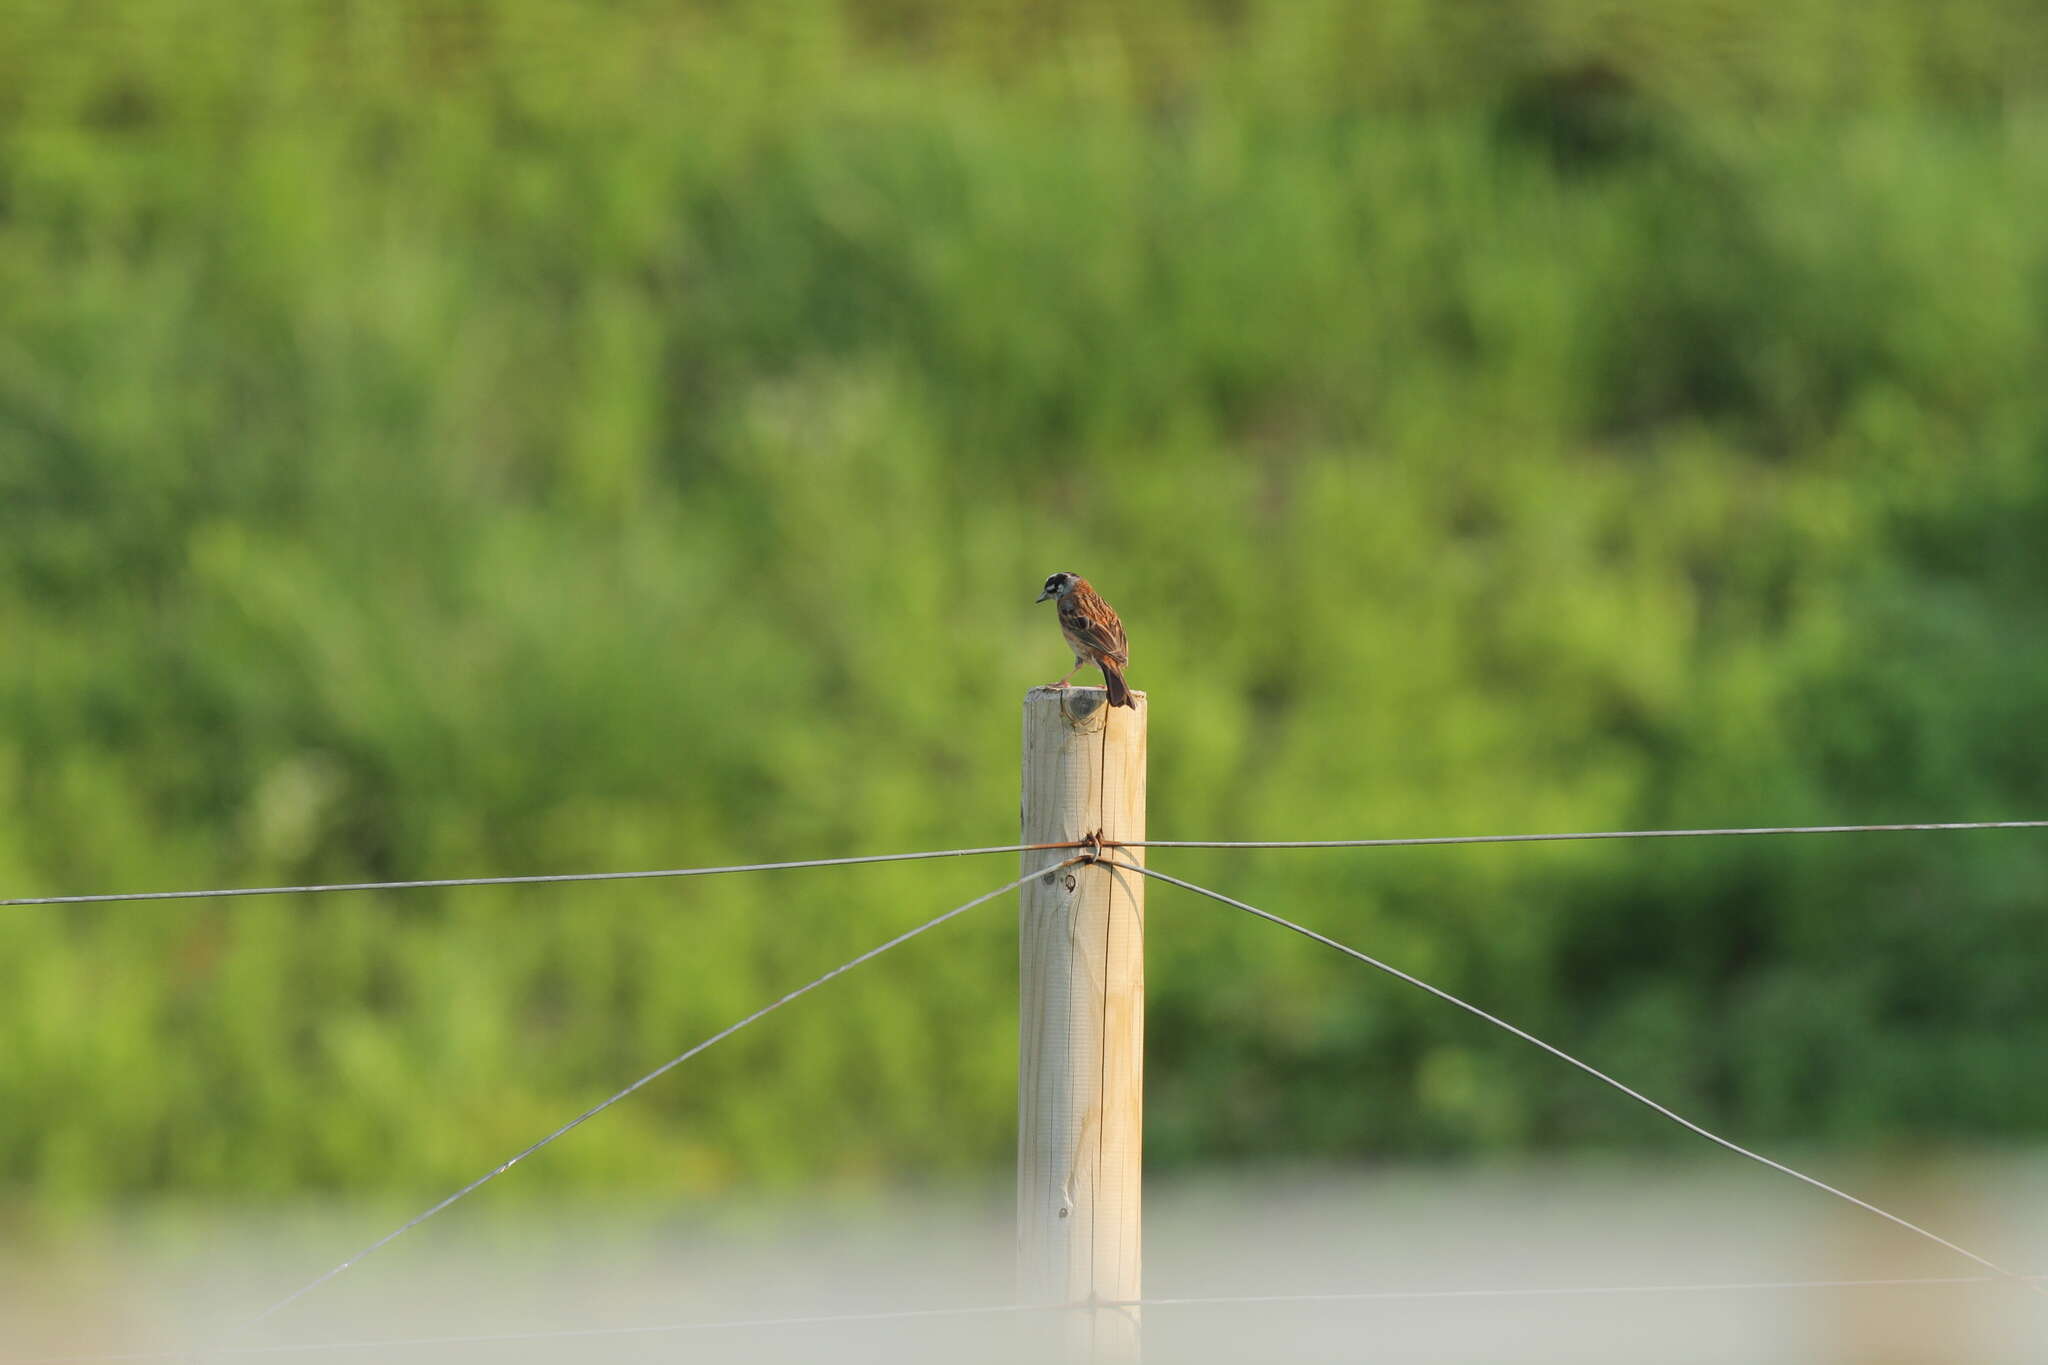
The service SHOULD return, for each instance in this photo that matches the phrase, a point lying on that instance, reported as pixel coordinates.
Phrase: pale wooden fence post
(1081, 1022)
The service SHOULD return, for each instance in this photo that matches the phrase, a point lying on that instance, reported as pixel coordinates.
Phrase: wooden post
(1081, 1022)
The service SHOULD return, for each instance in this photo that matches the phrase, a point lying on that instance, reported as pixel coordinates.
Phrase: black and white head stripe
(1057, 584)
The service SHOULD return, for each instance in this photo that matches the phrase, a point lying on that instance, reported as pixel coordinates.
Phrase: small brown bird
(1092, 632)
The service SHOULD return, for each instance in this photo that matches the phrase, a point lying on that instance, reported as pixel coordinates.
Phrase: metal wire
(662, 1070)
(1590, 1070)
(1012, 1309)
(526, 881)
(105, 897)
(1010, 886)
(1561, 838)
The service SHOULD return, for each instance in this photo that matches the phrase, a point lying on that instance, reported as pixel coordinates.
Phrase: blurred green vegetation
(498, 436)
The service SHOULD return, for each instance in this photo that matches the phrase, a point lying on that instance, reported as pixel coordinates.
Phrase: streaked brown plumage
(1093, 632)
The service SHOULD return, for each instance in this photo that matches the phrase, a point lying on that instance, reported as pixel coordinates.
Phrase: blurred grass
(494, 437)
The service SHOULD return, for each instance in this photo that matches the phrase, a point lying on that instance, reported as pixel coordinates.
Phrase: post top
(1076, 689)
(1085, 708)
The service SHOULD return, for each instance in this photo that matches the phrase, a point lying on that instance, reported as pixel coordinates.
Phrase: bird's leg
(1078, 661)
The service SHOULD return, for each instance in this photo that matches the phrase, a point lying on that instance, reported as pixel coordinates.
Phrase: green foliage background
(514, 436)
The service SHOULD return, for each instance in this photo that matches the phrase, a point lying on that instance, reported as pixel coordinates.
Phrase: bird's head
(1059, 585)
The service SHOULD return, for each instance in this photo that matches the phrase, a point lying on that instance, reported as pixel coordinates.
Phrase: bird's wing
(1099, 630)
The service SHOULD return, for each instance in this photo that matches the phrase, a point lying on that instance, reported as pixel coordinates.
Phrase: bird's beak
(1040, 598)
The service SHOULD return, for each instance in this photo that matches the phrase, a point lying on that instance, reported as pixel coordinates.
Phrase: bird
(1093, 632)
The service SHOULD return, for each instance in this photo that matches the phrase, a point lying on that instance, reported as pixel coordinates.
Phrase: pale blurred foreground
(590, 1276)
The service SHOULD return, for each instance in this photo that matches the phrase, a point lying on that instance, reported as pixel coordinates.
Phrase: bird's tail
(1119, 690)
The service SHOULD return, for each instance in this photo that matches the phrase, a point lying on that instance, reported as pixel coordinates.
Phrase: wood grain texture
(1081, 1021)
